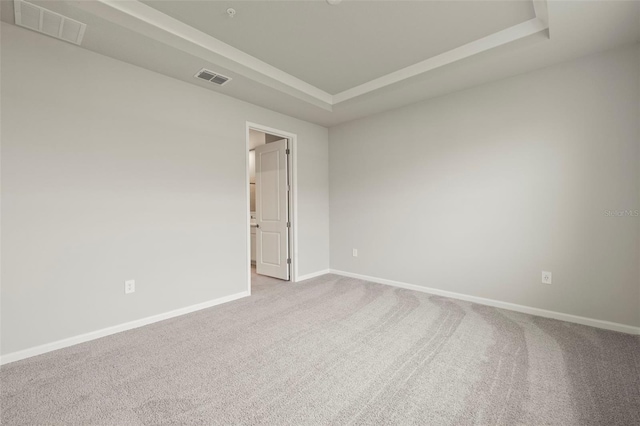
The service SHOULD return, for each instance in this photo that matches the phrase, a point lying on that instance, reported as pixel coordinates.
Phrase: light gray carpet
(334, 350)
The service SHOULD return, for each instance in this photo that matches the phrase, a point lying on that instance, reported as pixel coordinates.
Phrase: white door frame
(293, 202)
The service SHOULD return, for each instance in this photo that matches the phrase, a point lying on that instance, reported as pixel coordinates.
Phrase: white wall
(111, 172)
(256, 138)
(479, 191)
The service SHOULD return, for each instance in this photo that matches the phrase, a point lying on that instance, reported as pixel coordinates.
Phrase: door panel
(270, 186)
(272, 207)
(271, 248)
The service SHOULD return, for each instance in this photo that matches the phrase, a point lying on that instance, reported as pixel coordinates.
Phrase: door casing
(293, 202)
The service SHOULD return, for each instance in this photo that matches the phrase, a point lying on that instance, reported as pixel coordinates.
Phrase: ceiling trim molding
(541, 10)
(511, 34)
(153, 17)
(253, 67)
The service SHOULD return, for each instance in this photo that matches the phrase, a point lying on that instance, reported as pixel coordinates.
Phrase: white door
(272, 210)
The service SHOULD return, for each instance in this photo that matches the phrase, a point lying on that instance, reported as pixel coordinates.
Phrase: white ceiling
(338, 47)
(308, 71)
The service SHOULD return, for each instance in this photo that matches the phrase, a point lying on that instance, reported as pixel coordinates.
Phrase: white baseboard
(312, 275)
(498, 304)
(48, 347)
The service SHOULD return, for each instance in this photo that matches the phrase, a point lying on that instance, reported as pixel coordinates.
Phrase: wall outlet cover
(546, 277)
(355, 252)
(129, 286)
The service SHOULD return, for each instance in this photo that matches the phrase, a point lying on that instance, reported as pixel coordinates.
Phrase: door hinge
(288, 224)
(287, 151)
(289, 261)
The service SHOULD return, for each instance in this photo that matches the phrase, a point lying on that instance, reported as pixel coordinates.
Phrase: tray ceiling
(339, 47)
(331, 64)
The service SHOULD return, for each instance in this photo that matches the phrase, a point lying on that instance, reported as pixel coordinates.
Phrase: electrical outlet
(546, 277)
(355, 252)
(129, 286)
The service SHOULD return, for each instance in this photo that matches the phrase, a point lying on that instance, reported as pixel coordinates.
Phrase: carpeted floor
(335, 350)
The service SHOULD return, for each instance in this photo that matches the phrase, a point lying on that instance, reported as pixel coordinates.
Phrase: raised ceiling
(339, 47)
(331, 64)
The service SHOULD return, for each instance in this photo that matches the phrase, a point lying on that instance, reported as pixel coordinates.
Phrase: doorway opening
(271, 203)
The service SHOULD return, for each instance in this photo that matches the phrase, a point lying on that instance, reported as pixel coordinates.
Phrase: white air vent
(213, 77)
(44, 21)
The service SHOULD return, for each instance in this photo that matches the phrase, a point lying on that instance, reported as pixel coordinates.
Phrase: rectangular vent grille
(44, 21)
(212, 77)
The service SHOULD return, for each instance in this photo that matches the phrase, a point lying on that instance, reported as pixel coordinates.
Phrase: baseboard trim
(86, 337)
(623, 328)
(312, 275)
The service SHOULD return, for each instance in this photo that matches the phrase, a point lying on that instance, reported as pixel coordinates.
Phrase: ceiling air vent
(44, 21)
(212, 77)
